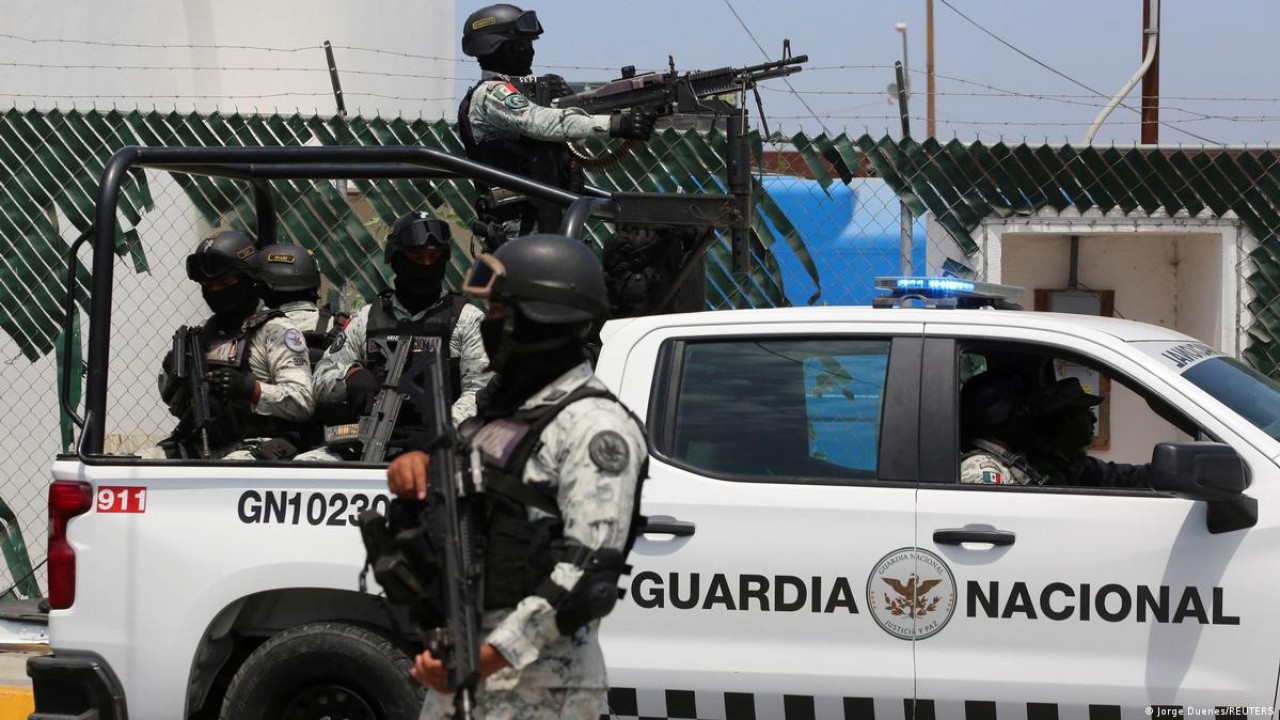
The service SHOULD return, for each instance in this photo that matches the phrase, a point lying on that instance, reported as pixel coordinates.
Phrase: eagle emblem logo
(913, 600)
(911, 593)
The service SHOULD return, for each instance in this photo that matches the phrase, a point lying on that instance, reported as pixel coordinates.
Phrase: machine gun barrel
(670, 92)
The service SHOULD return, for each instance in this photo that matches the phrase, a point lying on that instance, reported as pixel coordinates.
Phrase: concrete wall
(1163, 279)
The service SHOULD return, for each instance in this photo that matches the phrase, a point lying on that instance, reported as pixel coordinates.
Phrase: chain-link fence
(829, 220)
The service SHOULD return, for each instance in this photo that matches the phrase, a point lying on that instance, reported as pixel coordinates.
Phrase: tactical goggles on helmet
(424, 234)
(526, 23)
(488, 280)
(202, 267)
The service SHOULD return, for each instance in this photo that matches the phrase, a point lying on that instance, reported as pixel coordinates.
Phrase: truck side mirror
(1207, 471)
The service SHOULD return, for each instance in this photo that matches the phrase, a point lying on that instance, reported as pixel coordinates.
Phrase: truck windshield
(1252, 395)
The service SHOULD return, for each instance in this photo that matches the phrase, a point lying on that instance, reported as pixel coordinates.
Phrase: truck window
(1061, 419)
(781, 408)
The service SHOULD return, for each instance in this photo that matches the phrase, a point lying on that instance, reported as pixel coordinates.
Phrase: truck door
(1090, 602)
(780, 477)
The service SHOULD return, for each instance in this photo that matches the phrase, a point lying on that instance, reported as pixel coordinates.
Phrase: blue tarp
(852, 232)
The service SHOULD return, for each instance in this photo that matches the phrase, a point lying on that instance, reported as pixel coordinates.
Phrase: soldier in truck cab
(504, 119)
(353, 369)
(257, 373)
(994, 421)
(1062, 414)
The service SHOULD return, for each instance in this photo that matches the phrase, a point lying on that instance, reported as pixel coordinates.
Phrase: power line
(766, 57)
(1055, 71)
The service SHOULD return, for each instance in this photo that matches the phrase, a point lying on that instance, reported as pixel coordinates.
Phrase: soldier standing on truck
(505, 121)
(562, 461)
(353, 369)
(257, 376)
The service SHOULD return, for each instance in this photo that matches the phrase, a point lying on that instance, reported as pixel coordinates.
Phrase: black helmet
(550, 279)
(286, 268)
(992, 401)
(224, 253)
(489, 27)
(418, 229)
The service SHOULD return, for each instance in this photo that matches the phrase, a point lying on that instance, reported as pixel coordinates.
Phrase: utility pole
(907, 222)
(930, 125)
(1150, 82)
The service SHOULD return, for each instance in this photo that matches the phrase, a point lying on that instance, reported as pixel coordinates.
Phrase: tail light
(67, 499)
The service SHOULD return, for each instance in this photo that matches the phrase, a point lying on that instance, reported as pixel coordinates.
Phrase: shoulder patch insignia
(294, 341)
(516, 101)
(339, 341)
(992, 477)
(609, 451)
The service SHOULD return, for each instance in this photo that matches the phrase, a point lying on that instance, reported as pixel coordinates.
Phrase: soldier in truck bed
(502, 125)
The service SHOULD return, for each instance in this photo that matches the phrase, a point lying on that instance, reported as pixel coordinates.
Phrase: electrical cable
(766, 57)
(1059, 73)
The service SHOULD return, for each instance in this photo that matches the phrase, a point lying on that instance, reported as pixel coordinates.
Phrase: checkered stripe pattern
(632, 704)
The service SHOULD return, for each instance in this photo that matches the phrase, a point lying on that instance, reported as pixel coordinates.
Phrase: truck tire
(324, 670)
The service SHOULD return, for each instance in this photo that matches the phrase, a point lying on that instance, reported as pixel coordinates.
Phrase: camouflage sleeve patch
(984, 470)
(510, 96)
(294, 341)
(609, 451)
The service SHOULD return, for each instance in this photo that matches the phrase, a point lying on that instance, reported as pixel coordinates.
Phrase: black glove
(633, 124)
(362, 390)
(231, 384)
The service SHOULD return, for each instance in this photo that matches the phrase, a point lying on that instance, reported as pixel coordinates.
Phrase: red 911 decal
(122, 499)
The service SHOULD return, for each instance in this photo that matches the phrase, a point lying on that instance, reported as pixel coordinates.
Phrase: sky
(1224, 49)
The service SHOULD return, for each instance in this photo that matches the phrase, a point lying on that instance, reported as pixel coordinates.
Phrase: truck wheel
(324, 670)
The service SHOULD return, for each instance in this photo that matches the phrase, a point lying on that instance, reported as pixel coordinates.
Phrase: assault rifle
(423, 558)
(374, 430)
(188, 365)
(671, 92)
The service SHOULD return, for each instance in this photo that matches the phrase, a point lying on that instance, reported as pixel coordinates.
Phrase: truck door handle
(665, 524)
(962, 535)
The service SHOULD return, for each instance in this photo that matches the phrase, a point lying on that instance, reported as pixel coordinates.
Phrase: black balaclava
(418, 286)
(234, 303)
(513, 57)
(533, 354)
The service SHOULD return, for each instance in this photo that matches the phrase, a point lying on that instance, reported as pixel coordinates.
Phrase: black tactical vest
(234, 421)
(520, 553)
(541, 160)
(439, 321)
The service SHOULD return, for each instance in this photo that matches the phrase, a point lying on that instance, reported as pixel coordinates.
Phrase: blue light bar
(942, 292)
(938, 285)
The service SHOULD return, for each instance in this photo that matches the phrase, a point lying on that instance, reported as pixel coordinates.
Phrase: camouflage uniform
(278, 361)
(990, 464)
(554, 676)
(349, 349)
(498, 109)
(302, 313)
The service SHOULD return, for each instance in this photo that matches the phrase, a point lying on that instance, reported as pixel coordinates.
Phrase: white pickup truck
(811, 552)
